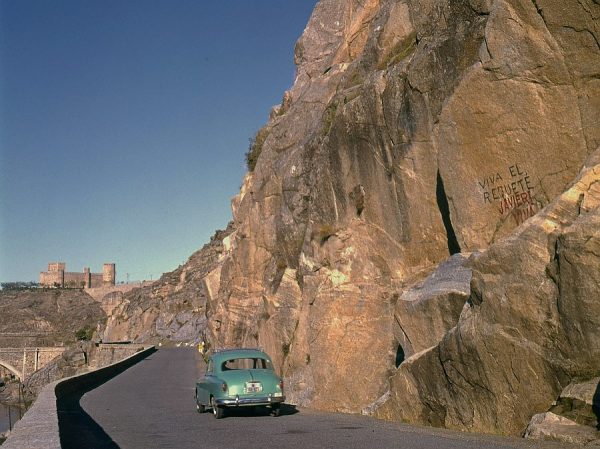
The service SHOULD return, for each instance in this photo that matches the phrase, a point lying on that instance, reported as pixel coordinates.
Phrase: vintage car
(239, 378)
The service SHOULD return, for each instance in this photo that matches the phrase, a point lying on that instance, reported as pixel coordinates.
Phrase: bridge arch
(11, 368)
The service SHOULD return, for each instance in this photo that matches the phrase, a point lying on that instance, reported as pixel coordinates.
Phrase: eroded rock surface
(414, 130)
(533, 325)
(580, 402)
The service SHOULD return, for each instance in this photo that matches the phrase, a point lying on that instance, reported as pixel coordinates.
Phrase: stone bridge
(22, 362)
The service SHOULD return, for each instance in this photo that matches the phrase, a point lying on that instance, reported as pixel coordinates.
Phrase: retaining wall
(39, 427)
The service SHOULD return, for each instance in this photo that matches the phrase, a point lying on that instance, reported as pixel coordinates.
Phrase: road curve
(151, 405)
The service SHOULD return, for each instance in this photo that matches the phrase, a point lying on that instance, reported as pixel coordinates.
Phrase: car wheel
(219, 412)
(276, 409)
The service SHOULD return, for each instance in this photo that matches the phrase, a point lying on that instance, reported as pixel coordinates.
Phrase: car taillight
(281, 385)
(224, 386)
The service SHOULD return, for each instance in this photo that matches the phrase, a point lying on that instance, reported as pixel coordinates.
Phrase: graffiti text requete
(512, 193)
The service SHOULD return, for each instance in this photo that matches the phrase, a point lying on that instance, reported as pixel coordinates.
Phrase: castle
(57, 276)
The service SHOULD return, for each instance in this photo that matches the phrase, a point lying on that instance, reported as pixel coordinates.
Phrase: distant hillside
(47, 317)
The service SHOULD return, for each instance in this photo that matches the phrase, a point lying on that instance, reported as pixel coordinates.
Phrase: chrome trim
(240, 402)
(219, 350)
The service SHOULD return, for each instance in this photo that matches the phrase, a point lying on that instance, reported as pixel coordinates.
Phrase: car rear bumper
(241, 402)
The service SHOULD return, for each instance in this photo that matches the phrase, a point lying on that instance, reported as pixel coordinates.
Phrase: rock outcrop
(426, 311)
(172, 309)
(415, 130)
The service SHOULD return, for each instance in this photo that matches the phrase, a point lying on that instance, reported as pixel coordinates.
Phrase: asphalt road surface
(151, 405)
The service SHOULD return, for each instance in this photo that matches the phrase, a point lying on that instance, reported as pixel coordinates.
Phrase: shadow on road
(286, 409)
(77, 429)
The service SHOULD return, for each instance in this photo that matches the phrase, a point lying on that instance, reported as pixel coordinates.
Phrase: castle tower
(57, 266)
(109, 274)
(87, 277)
(55, 276)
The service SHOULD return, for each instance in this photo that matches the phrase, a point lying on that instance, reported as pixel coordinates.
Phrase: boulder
(425, 312)
(579, 401)
(550, 427)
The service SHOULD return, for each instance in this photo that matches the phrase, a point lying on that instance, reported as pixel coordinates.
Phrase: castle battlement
(57, 276)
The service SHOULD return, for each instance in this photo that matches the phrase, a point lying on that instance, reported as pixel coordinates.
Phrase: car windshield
(246, 363)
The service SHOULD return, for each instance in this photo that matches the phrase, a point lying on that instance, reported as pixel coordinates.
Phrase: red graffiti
(520, 215)
(514, 201)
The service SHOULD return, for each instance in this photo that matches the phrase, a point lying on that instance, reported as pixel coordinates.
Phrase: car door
(204, 385)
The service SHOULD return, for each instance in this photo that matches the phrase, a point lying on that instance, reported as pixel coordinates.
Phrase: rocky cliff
(415, 130)
(173, 309)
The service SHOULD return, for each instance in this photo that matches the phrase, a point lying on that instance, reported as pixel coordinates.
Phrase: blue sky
(123, 125)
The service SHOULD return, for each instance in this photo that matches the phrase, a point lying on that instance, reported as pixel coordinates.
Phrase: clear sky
(123, 125)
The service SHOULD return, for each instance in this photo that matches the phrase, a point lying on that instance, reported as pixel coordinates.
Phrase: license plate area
(253, 387)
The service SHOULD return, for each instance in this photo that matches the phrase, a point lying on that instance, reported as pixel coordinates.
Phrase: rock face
(523, 333)
(415, 130)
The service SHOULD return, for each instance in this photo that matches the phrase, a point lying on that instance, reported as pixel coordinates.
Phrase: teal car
(239, 378)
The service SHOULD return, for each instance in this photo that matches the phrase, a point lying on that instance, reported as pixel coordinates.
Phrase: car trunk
(262, 381)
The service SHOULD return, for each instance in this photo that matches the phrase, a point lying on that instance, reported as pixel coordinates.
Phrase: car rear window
(246, 363)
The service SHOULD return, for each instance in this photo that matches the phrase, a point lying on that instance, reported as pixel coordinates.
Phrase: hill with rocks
(47, 317)
(418, 234)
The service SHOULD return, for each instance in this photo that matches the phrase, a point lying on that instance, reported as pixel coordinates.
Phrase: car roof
(241, 353)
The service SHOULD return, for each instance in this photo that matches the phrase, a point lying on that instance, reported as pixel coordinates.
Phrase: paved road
(151, 405)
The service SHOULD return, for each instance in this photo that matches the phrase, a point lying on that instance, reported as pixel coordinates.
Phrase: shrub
(255, 147)
(19, 285)
(84, 334)
(328, 117)
(401, 50)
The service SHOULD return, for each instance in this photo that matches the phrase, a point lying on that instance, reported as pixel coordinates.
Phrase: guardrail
(40, 427)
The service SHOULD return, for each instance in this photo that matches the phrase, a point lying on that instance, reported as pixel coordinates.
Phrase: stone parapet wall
(40, 426)
(51, 278)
